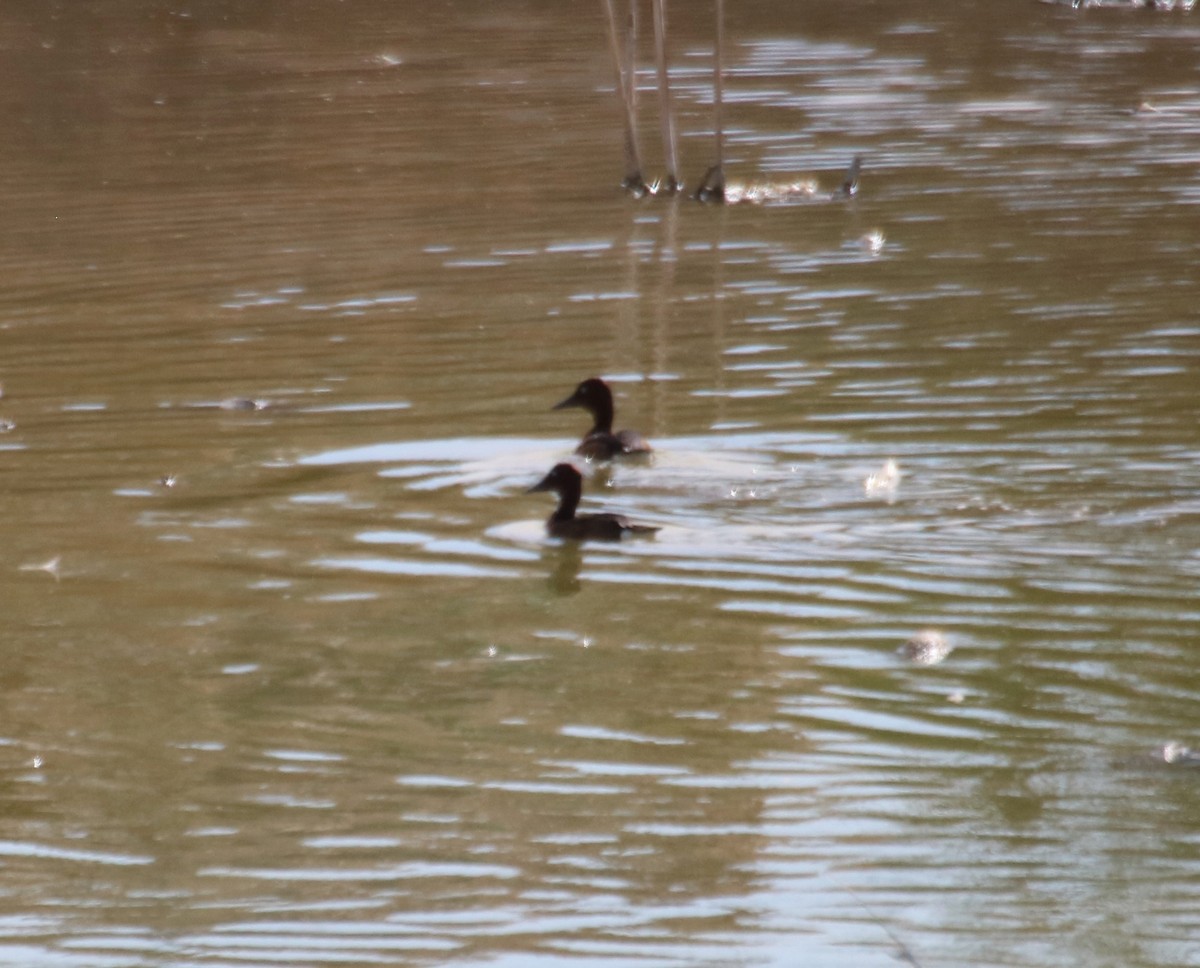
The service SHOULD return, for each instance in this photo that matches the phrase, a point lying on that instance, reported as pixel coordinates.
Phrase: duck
(566, 481)
(600, 443)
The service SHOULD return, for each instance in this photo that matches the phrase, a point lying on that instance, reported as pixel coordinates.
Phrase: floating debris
(885, 480)
(872, 242)
(640, 188)
(7, 426)
(926, 647)
(168, 480)
(769, 192)
(1162, 5)
(1177, 753)
(1172, 755)
(849, 185)
(243, 403)
(50, 567)
(714, 188)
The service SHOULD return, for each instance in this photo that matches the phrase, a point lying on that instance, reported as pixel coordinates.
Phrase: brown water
(304, 684)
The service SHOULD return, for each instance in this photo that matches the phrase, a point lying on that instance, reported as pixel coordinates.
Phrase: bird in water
(600, 443)
(565, 481)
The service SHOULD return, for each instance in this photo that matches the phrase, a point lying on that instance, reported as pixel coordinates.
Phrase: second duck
(600, 443)
(565, 481)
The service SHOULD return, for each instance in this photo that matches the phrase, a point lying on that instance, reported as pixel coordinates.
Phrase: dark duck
(565, 481)
(600, 443)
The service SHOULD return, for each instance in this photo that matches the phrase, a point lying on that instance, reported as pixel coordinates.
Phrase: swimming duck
(565, 481)
(600, 443)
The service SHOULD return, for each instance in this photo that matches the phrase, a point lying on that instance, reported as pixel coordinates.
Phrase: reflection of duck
(600, 443)
(566, 562)
(565, 481)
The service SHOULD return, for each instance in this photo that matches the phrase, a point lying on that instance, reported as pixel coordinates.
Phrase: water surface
(292, 675)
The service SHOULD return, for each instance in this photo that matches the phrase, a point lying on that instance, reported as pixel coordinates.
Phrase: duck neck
(602, 417)
(568, 501)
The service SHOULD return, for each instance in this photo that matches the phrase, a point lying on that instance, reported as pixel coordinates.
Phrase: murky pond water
(291, 674)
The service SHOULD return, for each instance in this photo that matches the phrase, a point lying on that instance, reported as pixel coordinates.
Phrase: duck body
(594, 527)
(606, 446)
(566, 481)
(600, 443)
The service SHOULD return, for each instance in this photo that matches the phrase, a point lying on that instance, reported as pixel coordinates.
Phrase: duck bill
(542, 485)
(571, 401)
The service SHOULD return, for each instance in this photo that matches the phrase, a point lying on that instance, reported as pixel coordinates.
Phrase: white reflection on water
(380, 872)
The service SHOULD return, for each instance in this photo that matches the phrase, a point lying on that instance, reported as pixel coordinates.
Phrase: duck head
(562, 479)
(592, 394)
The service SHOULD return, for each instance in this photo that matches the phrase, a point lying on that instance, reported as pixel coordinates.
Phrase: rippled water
(291, 673)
